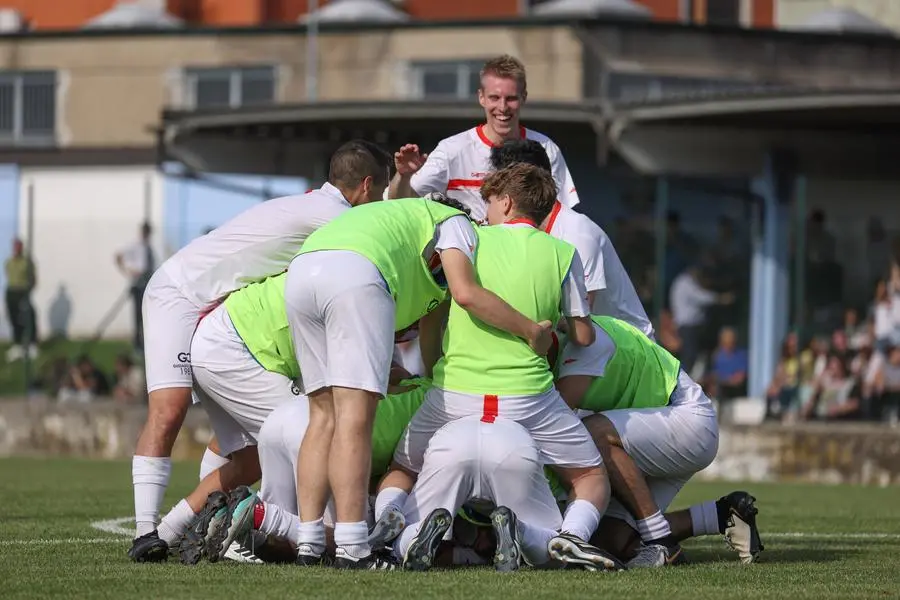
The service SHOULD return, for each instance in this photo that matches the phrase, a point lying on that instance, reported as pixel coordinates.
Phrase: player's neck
(515, 133)
(515, 219)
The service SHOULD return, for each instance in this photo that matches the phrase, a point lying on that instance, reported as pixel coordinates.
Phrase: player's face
(501, 100)
(498, 209)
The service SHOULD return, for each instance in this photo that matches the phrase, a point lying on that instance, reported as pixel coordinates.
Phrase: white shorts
(560, 436)
(169, 323)
(279, 446)
(494, 462)
(408, 355)
(668, 444)
(342, 321)
(234, 389)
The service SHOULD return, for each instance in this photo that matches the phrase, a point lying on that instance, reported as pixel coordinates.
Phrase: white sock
(389, 497)
(401, 544)
(654, 527)
(581, 519)
(175, 522)
(312, 534)
(705, 518)
(210, 462)
(150, 477)
(534, 541)
(281, 524)
(353, 538)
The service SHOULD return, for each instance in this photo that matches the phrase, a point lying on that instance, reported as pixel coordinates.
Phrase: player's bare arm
(487, 306)
(581, 330)
(430, 327)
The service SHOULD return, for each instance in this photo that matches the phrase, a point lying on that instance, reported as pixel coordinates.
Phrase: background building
(697, 132)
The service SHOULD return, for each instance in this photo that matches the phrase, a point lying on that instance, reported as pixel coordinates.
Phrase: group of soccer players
(538, 423)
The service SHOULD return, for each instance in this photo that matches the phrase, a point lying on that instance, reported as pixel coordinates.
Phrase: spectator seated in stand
(837, 395)
(130, 387)
(886, 392)
(727, 378)
(84, 383)
(793, 370)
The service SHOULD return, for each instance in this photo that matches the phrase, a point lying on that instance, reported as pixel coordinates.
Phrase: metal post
(800, 257)
(312, 50)
(25, 308)
(148, 198)
(659, 222)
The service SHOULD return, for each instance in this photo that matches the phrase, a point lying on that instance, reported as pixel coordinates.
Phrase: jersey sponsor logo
(432, 305)
(183, 363)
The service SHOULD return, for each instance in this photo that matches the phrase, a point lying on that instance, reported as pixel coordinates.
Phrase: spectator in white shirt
(689, 300)
(137, 262)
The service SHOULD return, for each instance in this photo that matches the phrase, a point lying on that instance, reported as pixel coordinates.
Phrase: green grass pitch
(821, 542)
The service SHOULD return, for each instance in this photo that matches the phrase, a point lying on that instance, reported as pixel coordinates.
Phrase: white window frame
(463, 69)
(191, 76)
(19, 136)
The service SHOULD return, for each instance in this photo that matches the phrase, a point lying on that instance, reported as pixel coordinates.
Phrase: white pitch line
(115, 526)
(60, 541)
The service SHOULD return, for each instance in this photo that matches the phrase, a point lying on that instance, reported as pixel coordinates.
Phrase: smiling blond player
(460, 162)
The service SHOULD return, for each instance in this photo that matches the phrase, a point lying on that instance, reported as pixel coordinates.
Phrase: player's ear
(507, 204)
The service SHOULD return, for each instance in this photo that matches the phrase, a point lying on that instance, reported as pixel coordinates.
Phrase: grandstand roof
(843, 20)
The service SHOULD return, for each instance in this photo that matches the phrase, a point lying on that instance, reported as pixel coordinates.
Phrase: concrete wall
(81, 217)
(816, 453)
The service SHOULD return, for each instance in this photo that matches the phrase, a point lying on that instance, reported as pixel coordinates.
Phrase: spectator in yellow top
(21, 278)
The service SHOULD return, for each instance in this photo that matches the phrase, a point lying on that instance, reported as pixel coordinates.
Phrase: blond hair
(506, 67)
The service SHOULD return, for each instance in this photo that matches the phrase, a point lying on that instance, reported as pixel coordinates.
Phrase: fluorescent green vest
(392, 415)
(260, 318)
(393, 236)
(640, 374)
(526, 268)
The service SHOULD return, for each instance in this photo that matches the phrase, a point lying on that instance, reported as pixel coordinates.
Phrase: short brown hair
(531, 189)
(506, 67)
(356, 160)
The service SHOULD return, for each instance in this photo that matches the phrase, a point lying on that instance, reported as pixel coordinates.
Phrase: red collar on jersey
(524, 220)
(551, 219)
(484, 138)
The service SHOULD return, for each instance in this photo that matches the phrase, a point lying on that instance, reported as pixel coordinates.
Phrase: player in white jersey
(459, 163)
(256, 244)
(610, 291)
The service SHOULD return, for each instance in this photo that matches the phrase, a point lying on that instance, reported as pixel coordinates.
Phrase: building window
(455, 79)
(28, 108)
(717, 12)
(229, 87)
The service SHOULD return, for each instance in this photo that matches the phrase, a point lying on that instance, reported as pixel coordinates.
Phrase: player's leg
(169, 322)
(212, 458)
(565, 444)
(449, 471)
(669, 443)
(307, 323)
(527, 516)
(408, 459)
(360, 326)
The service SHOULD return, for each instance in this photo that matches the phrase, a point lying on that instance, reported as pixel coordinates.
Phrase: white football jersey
(614, 294)
(256, 244)
(459, 163)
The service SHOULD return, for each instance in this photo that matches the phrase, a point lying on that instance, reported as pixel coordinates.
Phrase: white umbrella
(592, 8)
(358, 11)
(137, 13)
(843, 20)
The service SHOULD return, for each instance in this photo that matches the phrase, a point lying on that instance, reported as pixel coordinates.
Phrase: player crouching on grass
(491, 374)
(655, 428)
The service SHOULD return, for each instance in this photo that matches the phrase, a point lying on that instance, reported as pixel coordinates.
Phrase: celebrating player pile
(294, 369)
